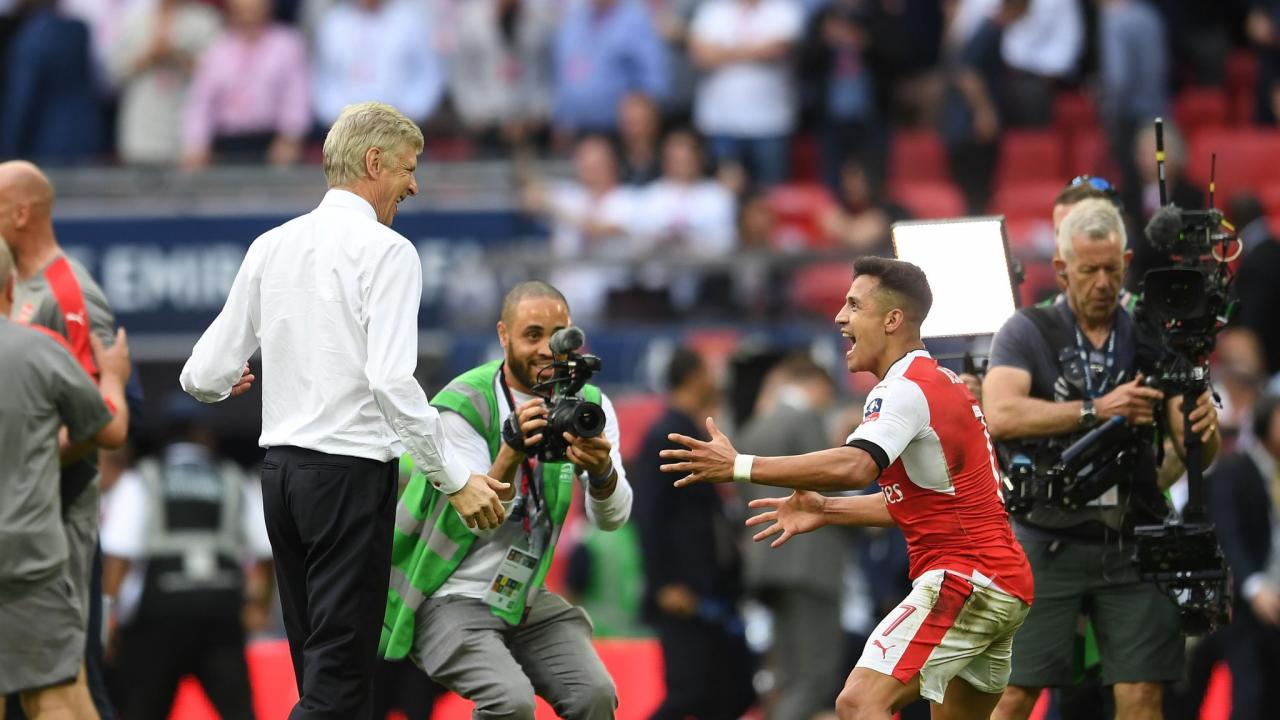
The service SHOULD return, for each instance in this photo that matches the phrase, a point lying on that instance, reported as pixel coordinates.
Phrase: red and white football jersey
(941, 483)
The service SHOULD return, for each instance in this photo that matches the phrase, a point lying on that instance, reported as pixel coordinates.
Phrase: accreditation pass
(508, 586)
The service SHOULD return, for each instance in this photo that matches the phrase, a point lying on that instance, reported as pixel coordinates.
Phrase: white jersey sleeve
(895, 413)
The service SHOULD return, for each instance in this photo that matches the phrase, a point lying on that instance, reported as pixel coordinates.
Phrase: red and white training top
(939, 475)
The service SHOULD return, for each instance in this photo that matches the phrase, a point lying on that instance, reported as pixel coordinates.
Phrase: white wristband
(742, 468)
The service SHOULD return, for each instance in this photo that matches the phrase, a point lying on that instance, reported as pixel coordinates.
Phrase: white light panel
(967, 262)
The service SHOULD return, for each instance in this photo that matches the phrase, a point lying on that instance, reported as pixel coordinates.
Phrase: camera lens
(588, 420)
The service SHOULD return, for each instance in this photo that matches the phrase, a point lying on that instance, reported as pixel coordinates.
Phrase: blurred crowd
(697, 129)
(193, 81)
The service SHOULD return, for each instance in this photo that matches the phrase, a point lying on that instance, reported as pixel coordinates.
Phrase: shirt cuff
(451, 477)
(1253, 584)
(612, 512)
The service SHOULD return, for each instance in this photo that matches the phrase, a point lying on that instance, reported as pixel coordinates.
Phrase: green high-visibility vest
(430, 540)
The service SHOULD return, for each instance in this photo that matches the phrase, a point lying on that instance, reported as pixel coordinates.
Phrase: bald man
(56, 292)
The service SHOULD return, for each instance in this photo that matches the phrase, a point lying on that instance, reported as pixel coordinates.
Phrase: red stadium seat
(1269, 196)
(1030, 237)
(1039, 282)
(1247, 160)
(449, 148)
(820, 289)
(1242, 79)
(797, 211)
(1023, 200)
(1089, 155)
(636, 413)
(1029, 156)
(1074, 111)
(1273, 224)
(928, 199)
(917, 155)
(1200, 108)
(804, 158)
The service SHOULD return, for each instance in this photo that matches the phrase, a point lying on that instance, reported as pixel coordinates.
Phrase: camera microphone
(567, 340)
(1164, 230)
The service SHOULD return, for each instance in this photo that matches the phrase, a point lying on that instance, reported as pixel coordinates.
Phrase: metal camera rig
(1185, 304)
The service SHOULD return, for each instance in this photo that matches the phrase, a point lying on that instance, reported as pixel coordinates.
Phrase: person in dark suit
(801, 582)
(51, 111)
(692, 565)
(1244, 501)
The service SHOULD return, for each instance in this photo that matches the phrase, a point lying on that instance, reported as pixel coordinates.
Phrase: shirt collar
(901, 364)
(339, 198)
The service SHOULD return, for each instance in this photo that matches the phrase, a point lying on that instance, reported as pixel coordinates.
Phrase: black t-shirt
(1058, 374)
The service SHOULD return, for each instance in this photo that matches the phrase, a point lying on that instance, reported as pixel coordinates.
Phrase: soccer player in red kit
(924, 438)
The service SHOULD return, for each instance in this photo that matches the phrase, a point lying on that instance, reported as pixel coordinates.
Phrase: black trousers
(156, 653)
(707, 670)
(329, 518)
(1253, 655)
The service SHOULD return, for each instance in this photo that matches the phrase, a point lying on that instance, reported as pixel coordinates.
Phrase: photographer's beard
(525, 371)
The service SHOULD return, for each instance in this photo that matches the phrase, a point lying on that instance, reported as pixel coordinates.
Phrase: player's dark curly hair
(904, 281)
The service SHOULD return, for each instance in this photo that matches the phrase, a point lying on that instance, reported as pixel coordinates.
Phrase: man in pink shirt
(250, 95)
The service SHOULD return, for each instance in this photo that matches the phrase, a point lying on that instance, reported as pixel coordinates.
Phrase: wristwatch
(1088, 415)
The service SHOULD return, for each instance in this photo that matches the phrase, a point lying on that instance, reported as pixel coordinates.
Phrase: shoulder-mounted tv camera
(560, 385)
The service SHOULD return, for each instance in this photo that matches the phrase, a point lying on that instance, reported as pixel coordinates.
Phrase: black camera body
(1186, 303)
(567, 411)
(1184, 559)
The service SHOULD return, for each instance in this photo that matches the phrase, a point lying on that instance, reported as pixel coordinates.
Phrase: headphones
(1263, 412)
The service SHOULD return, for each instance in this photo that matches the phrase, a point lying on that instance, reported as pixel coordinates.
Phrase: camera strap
(528, 482)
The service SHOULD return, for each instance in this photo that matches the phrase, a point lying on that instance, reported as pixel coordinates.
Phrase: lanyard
(1109, 361)
(528, 482)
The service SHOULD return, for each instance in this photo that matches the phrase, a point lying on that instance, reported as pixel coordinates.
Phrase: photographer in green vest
(468, 605)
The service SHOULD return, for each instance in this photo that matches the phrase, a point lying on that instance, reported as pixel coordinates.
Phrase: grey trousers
(463, 646)
(807, 653)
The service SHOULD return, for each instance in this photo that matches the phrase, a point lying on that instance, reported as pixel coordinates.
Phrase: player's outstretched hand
(802, 512)
(701, 460)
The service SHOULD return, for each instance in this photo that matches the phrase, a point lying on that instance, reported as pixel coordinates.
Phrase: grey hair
(1094, 219)
(360, 127)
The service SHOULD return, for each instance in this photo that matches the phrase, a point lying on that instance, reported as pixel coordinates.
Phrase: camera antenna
(1213, 172)
(1160, 161)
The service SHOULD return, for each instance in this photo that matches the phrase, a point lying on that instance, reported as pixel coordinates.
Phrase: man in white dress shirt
(332, 299)
(468, 606)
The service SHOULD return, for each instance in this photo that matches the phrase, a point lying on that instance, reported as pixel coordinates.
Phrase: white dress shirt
(385, 53)
(332, 299)
(697, 218)
(746, 99)
(1047, 40)
(474, 576)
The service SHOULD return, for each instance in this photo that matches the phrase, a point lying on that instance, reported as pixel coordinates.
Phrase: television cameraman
(1056, 372)
(468, 605)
